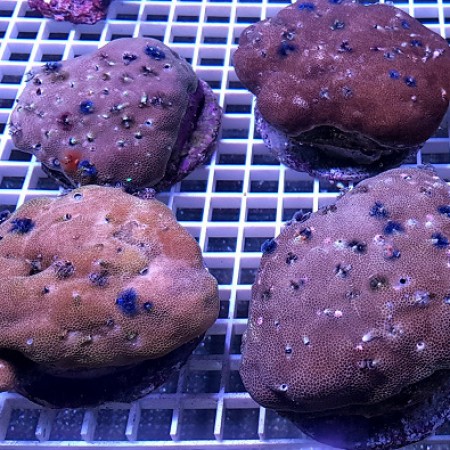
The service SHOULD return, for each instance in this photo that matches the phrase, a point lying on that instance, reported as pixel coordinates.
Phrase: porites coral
(348, 329)
(102, 281)
(132, 113)
(75, 11)
(341, 85)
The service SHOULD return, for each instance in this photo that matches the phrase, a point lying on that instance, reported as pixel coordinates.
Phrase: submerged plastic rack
(231, 206)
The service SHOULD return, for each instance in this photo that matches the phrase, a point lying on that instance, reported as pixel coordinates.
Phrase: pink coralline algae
(348, 329)
(104, 295)
(132, 114)
(344, 90)
(75, 11)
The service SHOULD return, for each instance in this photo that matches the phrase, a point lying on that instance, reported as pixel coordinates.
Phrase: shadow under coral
(74, 389)
(410, 416)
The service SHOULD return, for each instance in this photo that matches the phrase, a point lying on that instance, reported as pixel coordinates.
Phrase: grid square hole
(189, 214)
(261, 215)
(197, 381)
(67, 425)
(155, 425)
(229, 186)
(222, 275)
(197, 424)
(225, 214)
(232, 159)
(235, 382)
(221, 244)
(23, 422)
(11, 182)
(212, 344)
(241, 424)
(253, 244)
(111, 424)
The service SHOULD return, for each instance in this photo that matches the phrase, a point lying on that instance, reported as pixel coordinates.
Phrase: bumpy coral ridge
(132, 113)
(97, 279)
(350, 311)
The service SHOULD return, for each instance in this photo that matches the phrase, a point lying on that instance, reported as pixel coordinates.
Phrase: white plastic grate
(231, 206)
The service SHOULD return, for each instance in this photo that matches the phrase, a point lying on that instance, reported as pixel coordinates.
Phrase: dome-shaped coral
(348, 329)
(344, 89)
(133, 113)
(103, 294)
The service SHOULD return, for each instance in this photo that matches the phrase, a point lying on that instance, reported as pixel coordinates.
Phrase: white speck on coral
(339, 244)
(448, 258)
(276, 98)
(379, 239)
(299, 101)
(429, 217)
(412, 223)
(420, 346)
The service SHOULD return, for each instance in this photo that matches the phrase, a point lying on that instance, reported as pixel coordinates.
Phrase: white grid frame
(231, 205)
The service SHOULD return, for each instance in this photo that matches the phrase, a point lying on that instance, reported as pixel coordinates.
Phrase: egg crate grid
(233, 204)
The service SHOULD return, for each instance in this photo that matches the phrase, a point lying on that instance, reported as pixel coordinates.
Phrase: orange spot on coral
(70, 161)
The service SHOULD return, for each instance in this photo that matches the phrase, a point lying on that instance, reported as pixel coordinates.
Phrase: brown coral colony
(133, 114)
(348, 327)
(100, 302)
(341, 86)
